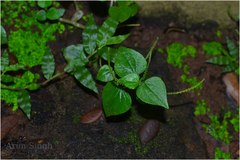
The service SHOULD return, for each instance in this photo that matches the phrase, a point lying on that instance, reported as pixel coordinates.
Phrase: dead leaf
(149, 131)
(91, 116)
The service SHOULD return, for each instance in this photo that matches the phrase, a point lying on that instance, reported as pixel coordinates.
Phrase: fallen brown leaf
(149, 131)
(92, 116)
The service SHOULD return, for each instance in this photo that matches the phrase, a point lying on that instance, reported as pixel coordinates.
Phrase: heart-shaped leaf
(41, 15)
(104, 74)
(153, 91)
(130, 81)
(129, 61)
(54, 13)
(44, 4)
(122, 13)
(115, 100)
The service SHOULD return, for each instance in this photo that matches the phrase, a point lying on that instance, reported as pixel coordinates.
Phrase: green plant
(227, 58)
(126, 73)
(219, 129)
(30, 49)
(219, 154)
(122, 68)
(235, 122)
(45, 13)
(201, 108)
(177, 52)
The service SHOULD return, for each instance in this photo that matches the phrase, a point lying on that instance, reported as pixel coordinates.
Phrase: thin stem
(130, 25)
(10, 88)
(72, 23)
(186, 90)
(92, 54)
(54, 77)
(149, 57)
(76, 5)
(110, 68)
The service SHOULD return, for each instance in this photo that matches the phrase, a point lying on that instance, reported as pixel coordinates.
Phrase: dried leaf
(149, 131)
(91, 116)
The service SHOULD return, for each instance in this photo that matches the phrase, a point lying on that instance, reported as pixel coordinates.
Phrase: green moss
(76, 118)
(219, 154)
(133, 139)
(10, 97)
(192, 81)
(201, 108)
(219, 129)
(177, 52)
(212, 48)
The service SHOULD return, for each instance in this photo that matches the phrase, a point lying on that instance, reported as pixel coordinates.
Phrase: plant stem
(10, 88)
(130, 25)
(149, 56)
(186, 90)
(72, 23)
(54, 77)
(42, 84)
(76, 5)
(110, 68)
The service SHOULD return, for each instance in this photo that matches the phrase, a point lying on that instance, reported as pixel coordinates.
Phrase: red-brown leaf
(91, 116)
(149, 131)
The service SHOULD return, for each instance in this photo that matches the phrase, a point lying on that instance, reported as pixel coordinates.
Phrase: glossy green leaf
(104, 74)
(54, 13)
(122, 13)
(115, 100)
(75, 57)
(24, 102)
(85, 78)
(129, 61)
(4, 60)
(3, 36)
(106, 31)
(41, 15)
(44, 4)
(90, 35)
(221, 60)
(130, 81)
(105, 51)
(153, 91)
(117, 39)
(48, 64)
